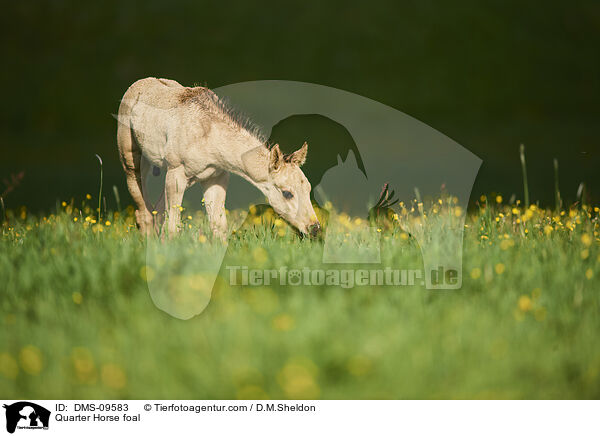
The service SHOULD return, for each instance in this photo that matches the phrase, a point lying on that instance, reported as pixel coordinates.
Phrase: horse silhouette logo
(26, 415)
(358, 146)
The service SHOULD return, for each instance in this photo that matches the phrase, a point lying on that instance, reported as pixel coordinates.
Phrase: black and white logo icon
(26, 415)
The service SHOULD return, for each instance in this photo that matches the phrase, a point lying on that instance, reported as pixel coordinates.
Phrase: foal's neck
(247, 157)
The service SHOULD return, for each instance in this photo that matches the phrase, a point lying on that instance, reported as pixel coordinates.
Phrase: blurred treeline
(490, 75)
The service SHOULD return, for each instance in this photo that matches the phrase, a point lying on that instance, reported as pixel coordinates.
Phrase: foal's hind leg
(142, 214)
(131, 158)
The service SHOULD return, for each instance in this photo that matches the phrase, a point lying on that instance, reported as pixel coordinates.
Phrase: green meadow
(77, 319)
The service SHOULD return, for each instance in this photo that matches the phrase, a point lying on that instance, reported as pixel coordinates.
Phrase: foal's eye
(287, 195)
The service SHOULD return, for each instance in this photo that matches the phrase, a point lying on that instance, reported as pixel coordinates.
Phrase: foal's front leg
(215, 190)
(175, 184)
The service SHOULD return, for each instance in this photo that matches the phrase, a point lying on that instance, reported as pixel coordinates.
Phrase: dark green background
(490, 75)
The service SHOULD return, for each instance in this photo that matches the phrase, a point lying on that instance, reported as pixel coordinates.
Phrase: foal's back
(157, 109)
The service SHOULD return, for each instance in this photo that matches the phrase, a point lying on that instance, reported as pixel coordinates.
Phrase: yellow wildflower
(31, 360)
(283, 322)
(528, 214)
(260, 255)
(298, 379)
(147, 273)
(475, 273)
(83, 363)
(113, 376)
(525, 304)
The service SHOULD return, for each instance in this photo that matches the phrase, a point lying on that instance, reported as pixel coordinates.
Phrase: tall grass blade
(557, 199)
(100, 193)
(581, 193)
(524, 169)
(117, 197)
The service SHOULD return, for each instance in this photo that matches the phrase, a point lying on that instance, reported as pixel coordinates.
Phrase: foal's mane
(219, 107)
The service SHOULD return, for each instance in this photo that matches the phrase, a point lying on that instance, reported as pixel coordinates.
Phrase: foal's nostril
(315, 229)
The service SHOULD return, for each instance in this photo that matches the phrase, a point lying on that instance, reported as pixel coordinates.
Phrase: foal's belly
(208, 173)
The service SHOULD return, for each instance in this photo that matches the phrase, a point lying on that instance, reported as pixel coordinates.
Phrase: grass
(77, 320)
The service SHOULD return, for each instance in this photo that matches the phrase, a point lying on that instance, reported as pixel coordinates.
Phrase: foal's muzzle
(314, 229)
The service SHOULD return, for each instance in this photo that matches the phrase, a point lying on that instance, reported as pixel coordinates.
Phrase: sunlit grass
(77, 320)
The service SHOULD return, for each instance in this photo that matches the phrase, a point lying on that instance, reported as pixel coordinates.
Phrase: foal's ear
(299, 156)
(275, 158)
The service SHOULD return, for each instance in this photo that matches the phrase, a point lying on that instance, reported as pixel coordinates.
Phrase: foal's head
(288, 190)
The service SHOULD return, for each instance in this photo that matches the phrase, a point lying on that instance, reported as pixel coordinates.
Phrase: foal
(193, 136)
